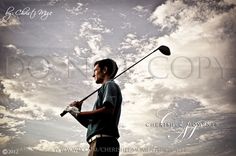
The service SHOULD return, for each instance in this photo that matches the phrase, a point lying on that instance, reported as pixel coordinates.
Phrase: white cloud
(179, 13)
(33, 108)
(92, 33)
(131, 41)
(139, 44)
(52, 2)
(77, 50)
(95, 26)
(8, 21)
(211, 136)
(141, 10)
(4, 139)
(30, 113)
(15, 49)
(11, 127)
(189, 30)
(11, 123)
(78, 9)
(166, 14)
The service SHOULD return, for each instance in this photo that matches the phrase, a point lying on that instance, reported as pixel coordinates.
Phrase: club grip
(63, 113)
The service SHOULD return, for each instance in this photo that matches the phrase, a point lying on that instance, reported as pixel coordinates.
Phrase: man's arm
(105, 111)
(82, 120)
(84, 117)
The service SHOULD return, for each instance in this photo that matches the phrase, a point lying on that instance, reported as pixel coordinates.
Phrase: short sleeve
(110, 94)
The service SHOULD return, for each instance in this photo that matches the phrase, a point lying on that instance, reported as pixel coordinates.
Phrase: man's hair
(110, 64)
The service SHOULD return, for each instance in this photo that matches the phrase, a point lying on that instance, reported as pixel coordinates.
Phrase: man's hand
(72, 109)
(77, 104)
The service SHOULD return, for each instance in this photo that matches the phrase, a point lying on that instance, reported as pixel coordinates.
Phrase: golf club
(163, 49)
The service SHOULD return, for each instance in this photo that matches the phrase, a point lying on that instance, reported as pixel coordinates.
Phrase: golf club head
(164, 50)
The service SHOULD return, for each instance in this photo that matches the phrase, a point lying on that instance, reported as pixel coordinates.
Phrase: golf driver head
(164, 50)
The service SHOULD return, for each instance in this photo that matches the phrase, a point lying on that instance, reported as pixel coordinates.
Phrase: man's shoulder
(111, 83)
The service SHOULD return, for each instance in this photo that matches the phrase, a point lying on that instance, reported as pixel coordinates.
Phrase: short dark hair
(110, 64)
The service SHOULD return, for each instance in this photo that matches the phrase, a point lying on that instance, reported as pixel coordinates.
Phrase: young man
(102, 121)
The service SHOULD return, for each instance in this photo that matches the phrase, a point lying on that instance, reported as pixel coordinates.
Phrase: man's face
(98, 75)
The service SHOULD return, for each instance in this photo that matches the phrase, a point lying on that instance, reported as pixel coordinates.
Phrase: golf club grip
(63, 113)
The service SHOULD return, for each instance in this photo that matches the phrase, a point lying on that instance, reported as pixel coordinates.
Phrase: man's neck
(106, 79)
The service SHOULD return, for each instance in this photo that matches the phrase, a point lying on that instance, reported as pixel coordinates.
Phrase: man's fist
(77, 104)
(72, 109)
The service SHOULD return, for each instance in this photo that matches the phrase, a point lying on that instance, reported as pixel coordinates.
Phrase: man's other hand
(77, 104)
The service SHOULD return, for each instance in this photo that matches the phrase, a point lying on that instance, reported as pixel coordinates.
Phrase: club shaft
(135, 63)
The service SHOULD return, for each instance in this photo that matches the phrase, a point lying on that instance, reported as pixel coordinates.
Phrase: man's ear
(104, 70)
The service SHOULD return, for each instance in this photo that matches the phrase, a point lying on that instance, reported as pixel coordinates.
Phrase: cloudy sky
(183, 104)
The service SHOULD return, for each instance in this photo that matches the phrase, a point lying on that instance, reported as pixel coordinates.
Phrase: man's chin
(98, 82)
